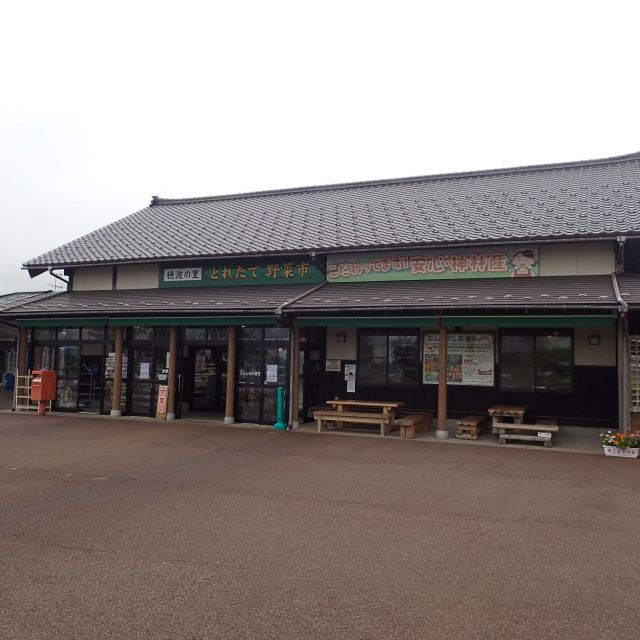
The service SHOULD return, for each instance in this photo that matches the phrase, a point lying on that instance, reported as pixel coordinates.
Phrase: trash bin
(9, 381)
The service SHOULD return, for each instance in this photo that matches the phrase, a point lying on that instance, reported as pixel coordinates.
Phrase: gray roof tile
(581, 199)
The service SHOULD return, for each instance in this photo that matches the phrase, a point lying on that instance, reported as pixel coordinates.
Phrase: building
(527, 274)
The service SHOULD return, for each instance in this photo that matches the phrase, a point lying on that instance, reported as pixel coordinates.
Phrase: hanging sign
(228, 273)
(434, 264)
(470, 359)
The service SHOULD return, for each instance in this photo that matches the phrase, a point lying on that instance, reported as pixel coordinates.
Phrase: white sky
(104, 104)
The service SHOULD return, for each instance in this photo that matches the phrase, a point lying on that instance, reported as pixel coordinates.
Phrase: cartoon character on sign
(523, 262)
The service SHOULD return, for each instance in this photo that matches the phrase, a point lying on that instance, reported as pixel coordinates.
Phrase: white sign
(333, 365)
(470, 359)
(544, 434)
(188, 274)
(144, 370)
(272, 373)
(351, 386)
(350, 372)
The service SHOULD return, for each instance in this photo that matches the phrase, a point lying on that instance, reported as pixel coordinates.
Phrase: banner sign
(242, 272)
(434, 264)
(470, 359)
(161, 406)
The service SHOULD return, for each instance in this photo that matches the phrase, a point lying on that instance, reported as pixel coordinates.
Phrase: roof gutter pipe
(55, 275)
(278, 311)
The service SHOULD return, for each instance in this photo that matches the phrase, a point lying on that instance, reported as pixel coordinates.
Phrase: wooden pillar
(21, 361)
(116, 396)
(295, 376)
(173, 373)
(231, 375)
(441, 432)
(624, 374)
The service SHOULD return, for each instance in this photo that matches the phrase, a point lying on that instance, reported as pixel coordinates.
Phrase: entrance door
(90, 383)
(209, 379)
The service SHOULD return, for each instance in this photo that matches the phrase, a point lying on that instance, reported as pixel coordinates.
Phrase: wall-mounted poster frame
(471, 358)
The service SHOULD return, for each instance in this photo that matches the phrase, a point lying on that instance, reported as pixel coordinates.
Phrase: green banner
(435, 264)
(232, 273)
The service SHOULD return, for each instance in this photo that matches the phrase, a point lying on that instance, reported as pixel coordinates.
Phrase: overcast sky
(104, 104)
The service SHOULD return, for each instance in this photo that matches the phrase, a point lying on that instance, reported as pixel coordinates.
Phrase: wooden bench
(470, 427)
(354, 417)
(542, 431)
(413, 422)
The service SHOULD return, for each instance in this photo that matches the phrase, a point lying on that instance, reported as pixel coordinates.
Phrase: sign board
(470, 359)
(272, 373)
(161, 407)
(435, 264)
(225, 273)
(332, 365)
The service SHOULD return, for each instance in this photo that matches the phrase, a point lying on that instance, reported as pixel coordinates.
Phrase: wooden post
(441, 432)
(173, 373)
(231, 375)
(116, 396)
(624, 391)
(295, 376)
(21, 362)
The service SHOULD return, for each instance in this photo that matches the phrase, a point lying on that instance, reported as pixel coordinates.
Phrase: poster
(333, 365)
(470, 359)
(272, 373)
(351, 386)
(145, 368)
(350, 372)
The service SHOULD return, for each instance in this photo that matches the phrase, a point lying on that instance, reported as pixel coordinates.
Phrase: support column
(295, 376)
(21, 360)
(231, 375)
(116, 396)
(624, 391)
(173, 373)
(441, 432)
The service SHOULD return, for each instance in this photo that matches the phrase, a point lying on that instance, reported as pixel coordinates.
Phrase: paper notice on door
(351, 386)
(272, 373)
(145, 368)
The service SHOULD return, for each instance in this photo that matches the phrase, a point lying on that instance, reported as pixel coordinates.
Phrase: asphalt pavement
(123, 528)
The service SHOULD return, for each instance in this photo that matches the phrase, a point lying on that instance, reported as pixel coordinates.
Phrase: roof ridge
(157, 201)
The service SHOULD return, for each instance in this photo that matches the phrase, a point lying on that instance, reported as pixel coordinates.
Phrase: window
(536, 361)
(388, 358)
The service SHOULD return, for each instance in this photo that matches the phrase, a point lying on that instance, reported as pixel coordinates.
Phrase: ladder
(22, 394)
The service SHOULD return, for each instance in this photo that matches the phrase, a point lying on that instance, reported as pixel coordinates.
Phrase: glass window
(536, 361)
(42, 334)
(250, 363)
(93, 333)
(276, 356)
(195, 333)
(69, 333)
(276, 333)
(43, 358)
(162, 334)
(249, 402)
(388, 357)
(143, 364)
(67, 394)
(250, 333)
(218, 335)
(68, 362)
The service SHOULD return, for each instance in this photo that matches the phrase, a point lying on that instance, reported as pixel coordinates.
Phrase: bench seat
(411, 423)
(354, 417)
(527, 432)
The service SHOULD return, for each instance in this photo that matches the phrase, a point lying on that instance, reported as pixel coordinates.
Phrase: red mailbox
(43, 385)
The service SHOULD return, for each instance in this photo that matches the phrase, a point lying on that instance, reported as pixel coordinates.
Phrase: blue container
(9, 381)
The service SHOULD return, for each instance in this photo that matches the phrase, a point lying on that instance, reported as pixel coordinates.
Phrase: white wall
(577, 258)
(347, 350)
(93, 278)
(138, 276)
(602, 355)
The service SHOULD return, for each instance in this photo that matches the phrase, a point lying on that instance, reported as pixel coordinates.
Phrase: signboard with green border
(231, 273)
(435, 264)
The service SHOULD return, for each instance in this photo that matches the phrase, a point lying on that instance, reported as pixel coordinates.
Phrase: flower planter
(629, 452)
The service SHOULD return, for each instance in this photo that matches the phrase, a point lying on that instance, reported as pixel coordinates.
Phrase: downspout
(55, 275)
(622, 326)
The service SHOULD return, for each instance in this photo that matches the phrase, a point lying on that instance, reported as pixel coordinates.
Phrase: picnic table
(367, 412)
(542, 430)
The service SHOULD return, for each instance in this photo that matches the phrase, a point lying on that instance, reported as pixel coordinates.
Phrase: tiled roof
(561, 292)
(12, 299)
(629, 286)
(191, 301)
(575, 293)
(580, 199)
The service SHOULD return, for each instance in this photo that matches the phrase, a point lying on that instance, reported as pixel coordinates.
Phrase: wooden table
(343, 413)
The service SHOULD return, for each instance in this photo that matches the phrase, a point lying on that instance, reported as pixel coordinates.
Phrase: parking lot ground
(137, 529)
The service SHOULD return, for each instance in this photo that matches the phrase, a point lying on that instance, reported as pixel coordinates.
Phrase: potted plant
(622, 445)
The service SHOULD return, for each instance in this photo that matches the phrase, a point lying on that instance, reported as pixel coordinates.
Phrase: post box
(43, 385)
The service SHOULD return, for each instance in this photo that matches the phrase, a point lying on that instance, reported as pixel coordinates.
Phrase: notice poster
(272, 373)
(470, 359)
(145, 368)
(350, 372)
